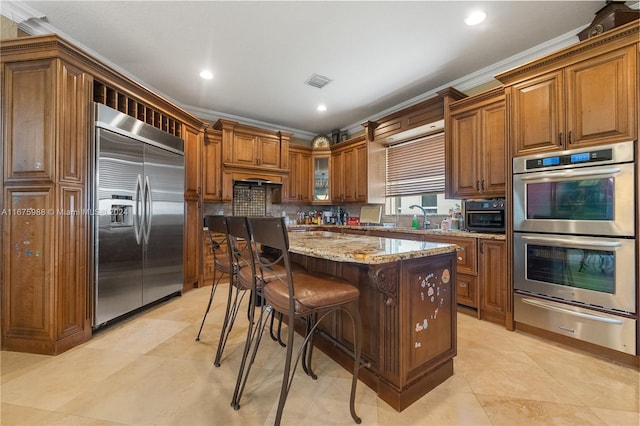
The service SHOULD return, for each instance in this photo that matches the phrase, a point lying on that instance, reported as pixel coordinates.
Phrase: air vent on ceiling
(318, 81)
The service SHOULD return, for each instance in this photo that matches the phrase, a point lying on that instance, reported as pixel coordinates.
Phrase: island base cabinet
(408, 311)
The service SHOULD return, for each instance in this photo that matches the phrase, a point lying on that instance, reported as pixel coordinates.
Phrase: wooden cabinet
(476, 146)
(207, 258)
(584, 95)
(193, 213)
(493, 280)
(46, 110)
(297, 187)
(48, 90)
(349, 172)
(321, 177)
(253, 148)
(212, 166)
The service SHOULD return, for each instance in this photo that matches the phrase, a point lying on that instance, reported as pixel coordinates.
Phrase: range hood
(420, 131)
(256, 182)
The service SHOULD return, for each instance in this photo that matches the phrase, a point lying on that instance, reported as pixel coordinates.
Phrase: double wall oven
(574, 244)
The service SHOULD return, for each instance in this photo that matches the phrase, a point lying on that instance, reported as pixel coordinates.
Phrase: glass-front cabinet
(321, 177)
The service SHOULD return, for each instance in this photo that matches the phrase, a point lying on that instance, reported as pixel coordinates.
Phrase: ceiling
(379, 55)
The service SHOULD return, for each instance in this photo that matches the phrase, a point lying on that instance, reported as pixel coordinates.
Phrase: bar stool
(311, 297)
(222, 265)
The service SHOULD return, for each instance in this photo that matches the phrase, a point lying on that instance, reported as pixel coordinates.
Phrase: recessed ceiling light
(321, 107)
(475, 18)
(206, 75)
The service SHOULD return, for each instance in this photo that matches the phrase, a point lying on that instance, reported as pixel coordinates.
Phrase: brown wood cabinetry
(297, 187)
(212, 165)
(584, 95)
(349, 172)
(48, 90)
(493, 280)
(476, 146)
(45, 240)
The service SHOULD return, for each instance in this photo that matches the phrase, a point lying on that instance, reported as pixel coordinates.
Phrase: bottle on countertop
(414, 222)
(445, 225)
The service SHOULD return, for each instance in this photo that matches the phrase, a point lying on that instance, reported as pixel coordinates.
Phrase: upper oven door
(596, 200)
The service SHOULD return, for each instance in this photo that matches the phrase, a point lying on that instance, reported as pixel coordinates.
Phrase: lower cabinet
(481, 279)
(492, 273)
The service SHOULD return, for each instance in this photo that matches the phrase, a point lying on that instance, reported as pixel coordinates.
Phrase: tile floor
(150, 371)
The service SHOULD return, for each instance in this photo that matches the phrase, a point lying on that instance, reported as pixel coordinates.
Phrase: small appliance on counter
(484, 215)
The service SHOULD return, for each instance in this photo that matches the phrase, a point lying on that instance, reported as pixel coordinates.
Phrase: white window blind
(416, 167)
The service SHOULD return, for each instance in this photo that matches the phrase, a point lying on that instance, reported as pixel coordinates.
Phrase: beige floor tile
(617, 417)
(149, 369)
(59, 380)
(512, 411)
(15, 415)
(14, 364)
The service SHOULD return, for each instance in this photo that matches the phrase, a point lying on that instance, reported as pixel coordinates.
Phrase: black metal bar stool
(221, 263)
(302, 295)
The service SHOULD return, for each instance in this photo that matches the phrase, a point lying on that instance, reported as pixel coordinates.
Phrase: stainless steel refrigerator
(138, 214)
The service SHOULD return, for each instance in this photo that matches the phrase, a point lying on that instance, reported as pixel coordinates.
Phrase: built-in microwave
(484, 215)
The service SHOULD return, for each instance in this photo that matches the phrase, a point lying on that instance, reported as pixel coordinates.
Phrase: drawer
(467, 254)
(467, 290)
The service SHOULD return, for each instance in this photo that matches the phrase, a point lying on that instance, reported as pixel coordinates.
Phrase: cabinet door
(212, 168)
(466, 134)
(268, 152)
(244, 151)
(337, 177)
(361, 178)
(192, 244)
(350, 175)
(537, 114)
(466, 257)
(493, 277)
(602, 98)
(466, 290)
(192, 150)
(492, 158)
(298, 187)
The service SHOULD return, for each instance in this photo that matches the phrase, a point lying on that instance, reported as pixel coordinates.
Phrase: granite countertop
(362, 248)
(420, 231)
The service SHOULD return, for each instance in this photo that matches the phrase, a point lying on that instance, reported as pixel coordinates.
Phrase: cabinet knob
(463, 284)
(460, 258)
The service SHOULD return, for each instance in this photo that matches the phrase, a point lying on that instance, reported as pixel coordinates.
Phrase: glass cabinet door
(321, 178)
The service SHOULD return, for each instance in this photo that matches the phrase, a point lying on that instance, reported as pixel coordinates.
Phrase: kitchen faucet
(425, 222)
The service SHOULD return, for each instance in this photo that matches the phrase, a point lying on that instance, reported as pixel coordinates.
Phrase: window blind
(416, 167)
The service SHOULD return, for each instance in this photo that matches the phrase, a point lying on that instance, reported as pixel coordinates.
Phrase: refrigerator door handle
(137, 220)
(148, 212)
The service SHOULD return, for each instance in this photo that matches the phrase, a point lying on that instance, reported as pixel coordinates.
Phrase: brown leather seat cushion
(222, 264)
(245, 280)
(312, 292)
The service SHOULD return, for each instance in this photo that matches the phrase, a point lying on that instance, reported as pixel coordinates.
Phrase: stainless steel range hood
(256, 182)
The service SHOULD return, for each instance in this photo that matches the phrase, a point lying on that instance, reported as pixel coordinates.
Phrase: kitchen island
(407, 303)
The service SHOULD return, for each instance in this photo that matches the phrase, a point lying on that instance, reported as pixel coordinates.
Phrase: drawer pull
(463, 285)
(459, 258)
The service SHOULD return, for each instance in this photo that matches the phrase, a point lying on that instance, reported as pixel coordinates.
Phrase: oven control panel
(570, 159)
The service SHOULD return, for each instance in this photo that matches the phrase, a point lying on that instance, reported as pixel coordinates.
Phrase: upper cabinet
(253, 148)
(321, 176)
(297, 186)
(211, 166)
(584, 95)
(251, 152)
(475, 148)
(349, 172)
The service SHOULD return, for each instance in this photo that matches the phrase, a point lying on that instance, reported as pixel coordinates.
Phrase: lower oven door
(593, 271)
(611, 331)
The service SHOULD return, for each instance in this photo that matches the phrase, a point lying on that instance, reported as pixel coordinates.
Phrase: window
(415, 175)
(416, 167)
